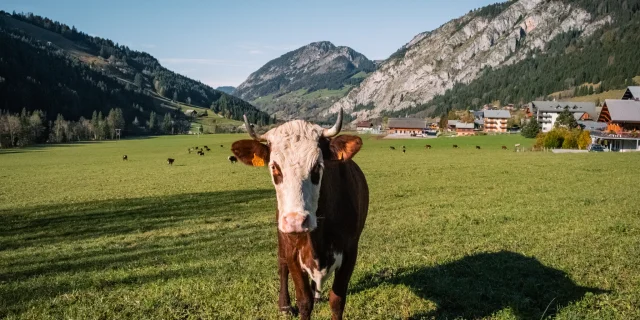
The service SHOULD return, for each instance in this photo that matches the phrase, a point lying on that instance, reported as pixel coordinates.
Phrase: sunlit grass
(451, 233)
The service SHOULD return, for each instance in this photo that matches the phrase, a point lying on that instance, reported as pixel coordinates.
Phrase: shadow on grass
(49, 257)
(480, 285)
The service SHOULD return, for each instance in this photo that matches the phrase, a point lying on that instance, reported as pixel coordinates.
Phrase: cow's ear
(344, 147)
(251, 152)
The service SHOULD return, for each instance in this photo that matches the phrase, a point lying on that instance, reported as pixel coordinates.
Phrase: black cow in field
(403, 147)
(455, 146)
(504, 147)
(232, 159)
(221, 146)
(428, 146)
(170, 161)
(200, 153)
(125, 158)
(478, 147)
(206, 148)
(392, 148)
(404, 151)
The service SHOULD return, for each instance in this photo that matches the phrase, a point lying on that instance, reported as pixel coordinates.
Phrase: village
(614, 124)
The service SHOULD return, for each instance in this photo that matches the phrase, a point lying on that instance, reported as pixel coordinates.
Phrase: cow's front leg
(284, 300)
(304, 299)
(338, 294)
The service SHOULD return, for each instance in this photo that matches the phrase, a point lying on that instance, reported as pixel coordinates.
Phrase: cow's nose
(296, 222)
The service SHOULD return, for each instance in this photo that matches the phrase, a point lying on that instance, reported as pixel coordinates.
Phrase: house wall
(464, 132)
(406, 131)
(547, 120)
(495, 125)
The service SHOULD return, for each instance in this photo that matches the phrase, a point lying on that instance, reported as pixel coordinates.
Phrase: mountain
(227, 89)
(509, 52)
(306, 81)
(49, 66)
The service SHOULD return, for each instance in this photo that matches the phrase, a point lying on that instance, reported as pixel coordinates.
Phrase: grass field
(451, 233)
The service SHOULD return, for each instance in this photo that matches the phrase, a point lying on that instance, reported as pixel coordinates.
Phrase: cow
(455, 146)
(392, 148)
(125, 158)
(403, 147)
(206, 148)
(404, 151)
(504, 147)
(322, 204)
(428, 146)
(221, 146)
(232, 159)
(478, 147)
(170, 161)
(201, 153)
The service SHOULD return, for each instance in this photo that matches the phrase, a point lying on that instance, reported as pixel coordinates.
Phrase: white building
(546, 112)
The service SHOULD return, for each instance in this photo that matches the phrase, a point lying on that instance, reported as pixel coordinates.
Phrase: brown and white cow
(323, 199)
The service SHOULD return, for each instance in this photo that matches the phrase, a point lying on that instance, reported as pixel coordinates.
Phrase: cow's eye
(315, 173)
(276, 173)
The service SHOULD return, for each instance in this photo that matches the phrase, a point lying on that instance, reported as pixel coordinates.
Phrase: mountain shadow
(477, 286)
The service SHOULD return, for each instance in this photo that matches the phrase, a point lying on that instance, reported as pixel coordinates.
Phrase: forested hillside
(50, 66)
(609, 57)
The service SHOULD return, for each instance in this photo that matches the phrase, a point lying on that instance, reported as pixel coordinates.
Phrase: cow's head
(295, 153)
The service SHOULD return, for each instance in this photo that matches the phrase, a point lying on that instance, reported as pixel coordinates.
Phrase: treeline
(27, 128)
(146, 72)
(608, 56)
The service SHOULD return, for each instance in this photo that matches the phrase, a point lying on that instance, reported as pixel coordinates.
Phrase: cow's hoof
(289, 310)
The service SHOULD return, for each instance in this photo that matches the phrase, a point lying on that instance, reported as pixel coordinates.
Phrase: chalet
(623, 125)
(546, 112)
(465, 129)
(632, 93)
(364, 127)
(407, 126)
(496, 120)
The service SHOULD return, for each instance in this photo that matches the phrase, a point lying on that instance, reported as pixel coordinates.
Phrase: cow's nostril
(306, 222)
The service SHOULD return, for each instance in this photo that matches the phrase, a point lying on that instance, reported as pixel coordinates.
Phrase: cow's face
(295, 154)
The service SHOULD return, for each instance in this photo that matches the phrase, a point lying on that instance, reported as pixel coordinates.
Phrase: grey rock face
(457, 51)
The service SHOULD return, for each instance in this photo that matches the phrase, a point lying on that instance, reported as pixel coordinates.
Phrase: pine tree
(531, 129)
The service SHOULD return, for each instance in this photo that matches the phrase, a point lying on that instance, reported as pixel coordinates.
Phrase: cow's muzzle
(294, 222)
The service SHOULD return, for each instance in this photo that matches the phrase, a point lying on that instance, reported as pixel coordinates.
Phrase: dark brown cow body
(342, 211)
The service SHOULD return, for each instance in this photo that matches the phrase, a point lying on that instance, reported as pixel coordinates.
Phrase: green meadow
(451, 233)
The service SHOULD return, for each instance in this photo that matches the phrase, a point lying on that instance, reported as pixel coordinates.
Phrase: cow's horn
(252, 133)
(328, 133)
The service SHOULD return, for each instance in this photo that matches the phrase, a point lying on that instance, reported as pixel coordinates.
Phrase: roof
(364, 124)
(623, 110)
(593, 125)
(479, 122)
(631, 93)
(462, 125)
(408, 123)
(452, 122)
(500, 114)
(558, 106)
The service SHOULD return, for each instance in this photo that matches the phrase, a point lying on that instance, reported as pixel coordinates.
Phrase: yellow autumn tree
(584, 139)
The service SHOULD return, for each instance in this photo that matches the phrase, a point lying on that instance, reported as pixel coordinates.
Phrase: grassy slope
(469, 233)
(611, 94)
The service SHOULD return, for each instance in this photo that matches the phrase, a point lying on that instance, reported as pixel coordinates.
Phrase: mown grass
(461, 233)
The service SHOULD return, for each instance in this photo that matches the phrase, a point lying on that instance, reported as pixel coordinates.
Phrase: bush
(553, 139)
(584, 139)
(531, 129)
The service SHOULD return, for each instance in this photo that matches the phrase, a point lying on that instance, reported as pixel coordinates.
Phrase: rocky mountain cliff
(457, 52)
(305, 81)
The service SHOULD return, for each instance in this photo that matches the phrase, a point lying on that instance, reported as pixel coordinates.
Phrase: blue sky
(222, 42)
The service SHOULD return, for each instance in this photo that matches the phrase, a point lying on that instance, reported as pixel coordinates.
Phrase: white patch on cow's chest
(318, 276)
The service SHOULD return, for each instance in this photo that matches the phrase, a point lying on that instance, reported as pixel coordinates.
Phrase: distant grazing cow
(170, 161)
(478, 147)
(323, 200)
(504, 147)
(403, 147)
(125, 158)
(201, 153)
(455, 146)
(221, 146)
(189, 150)
(207, 148)
(232, 159)
(392, 148)
(404, 151)
(428, 146)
